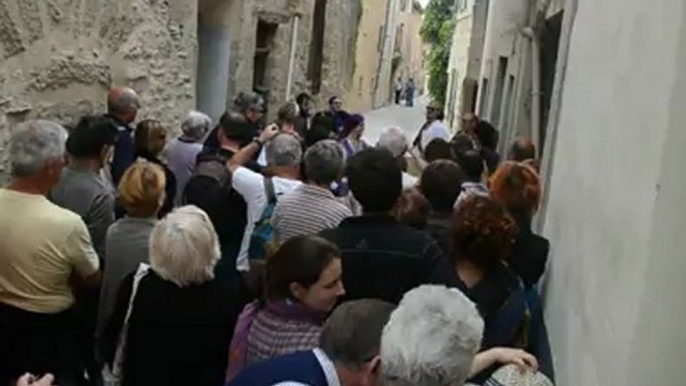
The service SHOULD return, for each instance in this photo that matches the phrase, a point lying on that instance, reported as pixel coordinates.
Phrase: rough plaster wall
(412, 47)
(478, 35)
(243, 47)
(459, 59)
(615, 306)
(59, 58)
(342, 22)
(505, 19)
(361, 93)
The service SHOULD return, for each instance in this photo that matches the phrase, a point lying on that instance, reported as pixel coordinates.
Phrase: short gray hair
(324, 162)
(33, 144)
(284, 150)
(250, 100)
(184, 248)
(431, 338)
(352, 334)
(196, 125)
(394, 140)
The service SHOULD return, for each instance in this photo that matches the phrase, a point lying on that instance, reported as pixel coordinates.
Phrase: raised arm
(248, 152)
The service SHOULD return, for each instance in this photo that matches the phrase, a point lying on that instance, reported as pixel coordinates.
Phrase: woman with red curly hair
(518, 188)
(482, 235)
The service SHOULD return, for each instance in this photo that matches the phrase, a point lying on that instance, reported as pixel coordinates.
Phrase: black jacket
(383, 259)
(438, 226)
(176, 336)
(210, 190)
(529, 254)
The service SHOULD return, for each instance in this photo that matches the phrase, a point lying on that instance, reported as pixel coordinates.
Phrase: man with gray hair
(312, 207)
(353, 351)
(261, 193)
(347, 354)
(122, 108)
(183, 151)
(44, 247)
(395, 140)
(249, 104)
(433, 337)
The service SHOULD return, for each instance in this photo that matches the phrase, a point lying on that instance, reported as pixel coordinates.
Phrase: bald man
(122, 107)
(522, 149)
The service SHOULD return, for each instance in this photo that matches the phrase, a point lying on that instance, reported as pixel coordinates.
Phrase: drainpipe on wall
(291, 60)
(535, 87)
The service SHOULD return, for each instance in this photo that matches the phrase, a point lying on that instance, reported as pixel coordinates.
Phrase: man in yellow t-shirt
(43, 250)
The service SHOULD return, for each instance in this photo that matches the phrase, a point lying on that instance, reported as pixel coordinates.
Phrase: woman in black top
(182, 318)
(517, 186)
(149, 141)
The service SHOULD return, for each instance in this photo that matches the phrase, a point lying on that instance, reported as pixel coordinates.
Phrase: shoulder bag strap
(119, 354)
(269, 190)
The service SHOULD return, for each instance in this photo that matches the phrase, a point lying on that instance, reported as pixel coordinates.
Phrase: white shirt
(262, 158)
(437, 129)
(251, 186)
(409, 181)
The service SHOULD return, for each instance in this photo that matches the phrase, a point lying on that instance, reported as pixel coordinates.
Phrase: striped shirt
(272, 335)
(307, 210)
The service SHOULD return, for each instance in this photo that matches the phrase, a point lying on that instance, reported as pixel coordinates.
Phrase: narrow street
(409, 119)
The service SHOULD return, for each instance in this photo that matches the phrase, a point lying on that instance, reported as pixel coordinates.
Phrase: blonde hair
(184, 248)
(146, 132)
(141, 189)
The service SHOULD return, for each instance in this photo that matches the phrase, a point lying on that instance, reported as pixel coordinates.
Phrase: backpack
(210, 166)
(262, 241)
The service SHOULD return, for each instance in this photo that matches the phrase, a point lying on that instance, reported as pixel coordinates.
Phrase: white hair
(33, 144)
(184, 248)
(395, 140)
(431, 338)
(196, 125)
(284, 150)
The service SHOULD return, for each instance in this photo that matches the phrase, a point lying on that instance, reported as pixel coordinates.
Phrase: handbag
(112, 376)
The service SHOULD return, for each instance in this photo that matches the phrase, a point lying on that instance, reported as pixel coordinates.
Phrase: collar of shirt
(328, 367)
(317, 191)
(121, 125)
(370, 219)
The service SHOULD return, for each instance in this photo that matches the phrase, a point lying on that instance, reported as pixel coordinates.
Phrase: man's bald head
(522, 149)
(469, 122)
(122, 103)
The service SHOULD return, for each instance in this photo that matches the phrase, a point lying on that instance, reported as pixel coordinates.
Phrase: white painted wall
(505, 20)
(617, 202)
(459, 58)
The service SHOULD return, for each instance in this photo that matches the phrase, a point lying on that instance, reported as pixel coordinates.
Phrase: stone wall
(340, 47)
(59, 58)
(279, 12)
(360, 96)
(338, 65)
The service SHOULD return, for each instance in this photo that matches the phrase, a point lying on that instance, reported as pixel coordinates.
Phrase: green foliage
(437, 30)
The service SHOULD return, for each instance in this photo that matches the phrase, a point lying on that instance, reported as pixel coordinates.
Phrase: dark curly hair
(483, 232)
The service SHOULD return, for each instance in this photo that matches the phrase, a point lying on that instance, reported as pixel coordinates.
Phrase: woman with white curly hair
(173, 322)
(433, 337)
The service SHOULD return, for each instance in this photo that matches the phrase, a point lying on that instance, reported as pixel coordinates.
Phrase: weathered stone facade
(338, 61)
(59, 58)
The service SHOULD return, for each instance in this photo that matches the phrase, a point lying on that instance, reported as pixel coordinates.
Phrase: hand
(520, 358)
(268, 133)
(30, 380)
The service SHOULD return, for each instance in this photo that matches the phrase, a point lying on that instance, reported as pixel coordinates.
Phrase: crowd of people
(290, 253)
